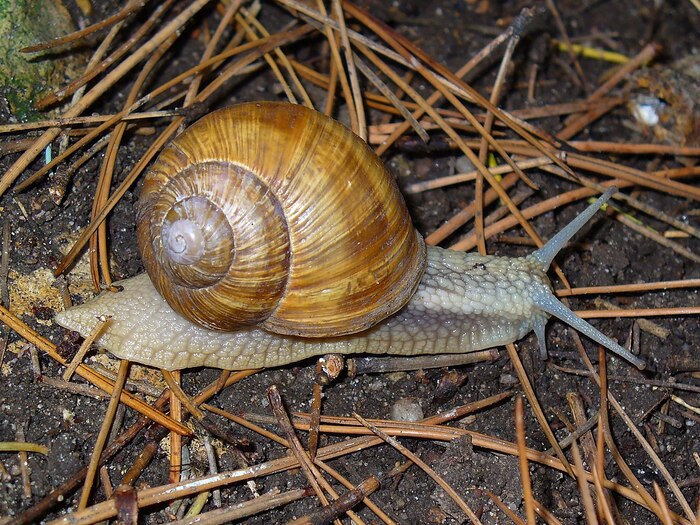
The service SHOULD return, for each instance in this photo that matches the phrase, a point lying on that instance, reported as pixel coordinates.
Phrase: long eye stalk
(550, 304)
(549, 251)
(553, 306)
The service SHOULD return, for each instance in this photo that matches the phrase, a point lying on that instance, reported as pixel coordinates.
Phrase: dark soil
(604, 253)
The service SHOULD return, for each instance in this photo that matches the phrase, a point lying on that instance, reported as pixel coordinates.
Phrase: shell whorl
(273, 214)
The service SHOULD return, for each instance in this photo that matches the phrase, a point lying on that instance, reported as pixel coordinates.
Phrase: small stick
(104, 432)
(467, 213)
(440, 182)
(142, 386)
(286, 62)
(505, 508)
(597, 146)
(129, 8)
(638, 312)
(488, 126)
(140, 464)
(605, 500)
(607, 503)
(525, 480)
(228, 14)
(340, 70)
(663, 418)
(366, 501)
(222, 379)
(469, 241)
(565, 36)
(657, 286)
(74, 388)
(536, 407)
(173, 381)
(682, 403)
(671, 385)
(379, 365)
(565, 108)
(663, 241)
(62, 177)
(358, 105)
(4, 290)
(592, 52)
(627, 471)
(395, 101)
(545, 514)
(109, 80)
(424, 466)
(103, 65)
(239, 511)
(104, 479)
(213, 469)
(309, 469)
(66, 122)
(328, 368)
(195, 508)
(23, 466)
(575, 124)
(576, 433)
(251, 426)
(320, 16)
(578, 413)
(341, 505)
(87, 343)
(246, 23)
(36, 365)
(22, 446)
(518, 198)
(331, 84)
(126, 503)
(666, 517)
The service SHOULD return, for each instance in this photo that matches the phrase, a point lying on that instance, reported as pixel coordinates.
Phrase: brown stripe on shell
(354, 256)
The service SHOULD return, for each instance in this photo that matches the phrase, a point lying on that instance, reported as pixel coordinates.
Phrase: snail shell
(276, 215)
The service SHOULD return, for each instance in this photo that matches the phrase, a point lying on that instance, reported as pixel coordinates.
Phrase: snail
(271, 233)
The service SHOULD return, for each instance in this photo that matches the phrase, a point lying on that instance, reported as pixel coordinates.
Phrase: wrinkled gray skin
(464, 303)
(452, 311)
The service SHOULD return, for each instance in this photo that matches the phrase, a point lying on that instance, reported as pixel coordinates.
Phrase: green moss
(24, 78)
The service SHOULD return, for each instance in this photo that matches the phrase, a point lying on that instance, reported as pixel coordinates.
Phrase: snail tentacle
(549, 251)
(555, 307)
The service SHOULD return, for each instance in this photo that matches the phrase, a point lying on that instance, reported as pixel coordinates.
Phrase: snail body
(320, 258)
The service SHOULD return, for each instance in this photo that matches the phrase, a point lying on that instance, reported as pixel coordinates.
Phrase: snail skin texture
(321, 215)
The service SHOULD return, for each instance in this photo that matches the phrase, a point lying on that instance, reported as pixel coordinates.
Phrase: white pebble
(406, 409)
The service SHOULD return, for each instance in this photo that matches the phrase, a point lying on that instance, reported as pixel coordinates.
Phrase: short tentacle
(539, 329)
(545, 255)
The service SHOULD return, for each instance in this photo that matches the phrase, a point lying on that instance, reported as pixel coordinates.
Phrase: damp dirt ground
(604, 253)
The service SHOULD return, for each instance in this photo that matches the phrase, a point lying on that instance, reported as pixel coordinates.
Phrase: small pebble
(406, 409)
(508, 380)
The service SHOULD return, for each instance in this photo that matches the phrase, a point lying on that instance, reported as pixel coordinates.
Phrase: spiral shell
(274, 214)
